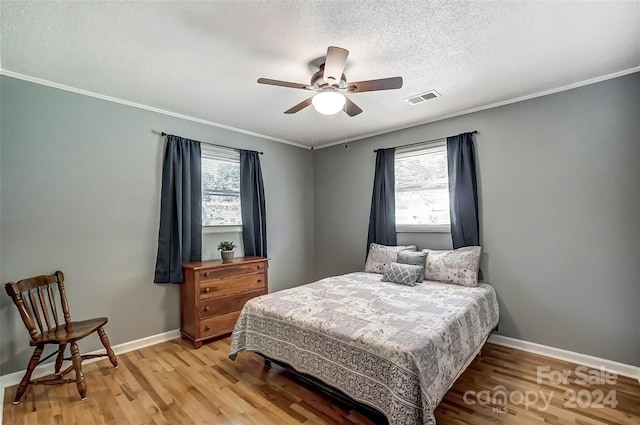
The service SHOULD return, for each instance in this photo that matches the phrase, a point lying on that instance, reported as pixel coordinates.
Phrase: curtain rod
(423, 143)
(206, 143)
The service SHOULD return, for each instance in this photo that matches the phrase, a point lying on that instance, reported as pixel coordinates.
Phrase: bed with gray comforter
(394, 347)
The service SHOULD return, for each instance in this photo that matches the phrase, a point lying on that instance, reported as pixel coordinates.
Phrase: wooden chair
(34, 297)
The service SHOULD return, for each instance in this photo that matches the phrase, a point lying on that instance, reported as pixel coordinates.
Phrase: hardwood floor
(171, 383)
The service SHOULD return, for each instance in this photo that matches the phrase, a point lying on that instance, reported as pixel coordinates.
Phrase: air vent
(414, 100)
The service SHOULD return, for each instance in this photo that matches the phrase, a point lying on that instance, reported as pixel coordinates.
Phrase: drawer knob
(207, 308)
(259, 280)
(207, 274)
(206, 328)
(206, 290)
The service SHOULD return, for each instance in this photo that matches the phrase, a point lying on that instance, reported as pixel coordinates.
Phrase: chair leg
(105, 341)
(27, 376)
(60, 357)
(77, 365)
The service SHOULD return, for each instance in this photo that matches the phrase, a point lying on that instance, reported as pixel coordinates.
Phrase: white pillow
(381, 256)
(459, 266)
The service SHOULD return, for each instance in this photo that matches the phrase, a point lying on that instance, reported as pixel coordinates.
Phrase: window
(220, 188)
(422, 189)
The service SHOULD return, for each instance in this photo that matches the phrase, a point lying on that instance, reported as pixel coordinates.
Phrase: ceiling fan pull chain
(313, 129)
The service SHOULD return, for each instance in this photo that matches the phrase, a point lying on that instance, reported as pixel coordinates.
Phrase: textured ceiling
(202, 59)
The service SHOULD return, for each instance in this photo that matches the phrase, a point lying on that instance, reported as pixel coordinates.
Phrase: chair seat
(64, 334)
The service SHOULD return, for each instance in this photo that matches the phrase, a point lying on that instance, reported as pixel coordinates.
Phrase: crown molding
(489, 106)
(325, 145)
(145, 107)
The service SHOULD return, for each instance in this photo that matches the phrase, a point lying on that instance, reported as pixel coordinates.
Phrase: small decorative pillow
(380, 256)
(459, 266)
(405, 274)
(414, 258)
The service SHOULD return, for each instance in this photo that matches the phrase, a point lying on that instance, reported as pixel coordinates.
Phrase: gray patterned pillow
(405, 274)
(380, 256)
(459, 266)
(414, 258)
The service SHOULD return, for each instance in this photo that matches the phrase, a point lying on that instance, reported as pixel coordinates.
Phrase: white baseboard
(569, 356)
(531, 347)
(45, 369)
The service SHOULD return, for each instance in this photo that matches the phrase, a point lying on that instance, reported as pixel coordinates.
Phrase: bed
(393, 347)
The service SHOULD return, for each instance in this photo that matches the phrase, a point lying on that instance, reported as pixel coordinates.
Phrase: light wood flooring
(171, 383)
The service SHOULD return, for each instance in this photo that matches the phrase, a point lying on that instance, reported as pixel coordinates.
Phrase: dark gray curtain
(463, 191)
(180, 235)
(254, 222)
(382, 219)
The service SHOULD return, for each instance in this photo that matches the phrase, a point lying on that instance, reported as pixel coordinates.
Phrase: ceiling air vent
(414, 100)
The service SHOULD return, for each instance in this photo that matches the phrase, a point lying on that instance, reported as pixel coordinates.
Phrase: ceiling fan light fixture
(329, 81)
(328, 102)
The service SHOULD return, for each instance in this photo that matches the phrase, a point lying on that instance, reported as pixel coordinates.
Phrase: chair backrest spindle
(45, 310)
(52, 301)
(34, 309)
(63, 297)
(24, 314)
(24, 297)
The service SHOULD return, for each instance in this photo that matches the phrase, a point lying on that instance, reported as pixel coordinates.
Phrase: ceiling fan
(330, 82)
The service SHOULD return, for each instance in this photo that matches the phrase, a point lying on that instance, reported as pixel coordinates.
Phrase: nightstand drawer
(218, 325)
(218, 288)
(229, 304)
(235, 270)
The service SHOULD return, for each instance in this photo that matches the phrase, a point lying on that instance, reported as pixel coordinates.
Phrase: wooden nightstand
(214, 292)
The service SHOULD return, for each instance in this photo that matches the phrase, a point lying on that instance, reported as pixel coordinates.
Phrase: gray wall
(80, 193)
(559, 184)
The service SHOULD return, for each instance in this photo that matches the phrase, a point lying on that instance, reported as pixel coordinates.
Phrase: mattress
(396, 348)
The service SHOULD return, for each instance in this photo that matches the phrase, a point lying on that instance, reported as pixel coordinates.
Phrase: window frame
(217, 153)
(436, 146)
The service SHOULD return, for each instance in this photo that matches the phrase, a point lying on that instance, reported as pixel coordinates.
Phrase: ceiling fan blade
(351, 108)
(284, 84)
(375, 85)
(299, 106)
(334, 64)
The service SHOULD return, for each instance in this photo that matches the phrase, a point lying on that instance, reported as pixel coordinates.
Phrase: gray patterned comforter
(394, 347)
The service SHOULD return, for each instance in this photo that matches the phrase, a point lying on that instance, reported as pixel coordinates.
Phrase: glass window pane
(220, 174)
(422, 188)
(220, 210)
(220, 192)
